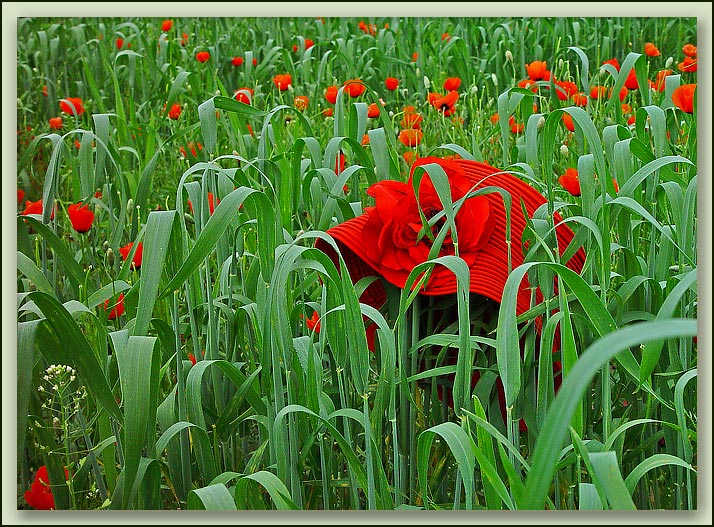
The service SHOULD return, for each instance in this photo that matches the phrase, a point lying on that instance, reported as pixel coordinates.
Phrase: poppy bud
(130, 205)
(561, 62)
(494, 79)
(564, 150)
(509, 55)
(541, 122)
(427, 82)
(418, 72)
(110, 256)
(474, 90)
(668, 63)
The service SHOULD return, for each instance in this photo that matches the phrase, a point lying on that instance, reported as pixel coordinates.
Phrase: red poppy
(72, 106)
(568, 121)
(340, 163)
(211, 205)
(623, 93)
(446, 103)
(184, 39)
(244, 95)
(282, 81)
(687, 65)
(354, 87)
(370, 333)
(570, 182)
(373, 110)
(659, 82)
(516, 128)
(80, 216)
(568, 90)
(136, 261)
(411, 120)
(20, 195)
(631, 80)
(117, 310)
(39, 496)
(166, 25)
(120, 43)
(631, 120)
(452, 83)
(365, 139)
(392, 83)
(597, 91)
(613, 62)
(44, 90)
(237, 61)
(331, 94)
(410, 136)
(313, 323)
(301, 102)
(309, 43)
(495, 118)
(327, 112)
(690, 50)
(683, 97)
(579, 99)
(445, 36)
(537, 70)
(192, 358)
(527, 83)
(410, 156)
(651, 50)
(415, 56)
(203, 56)
(35, 207)
(175, 111)
(365, 28)
(56, 123)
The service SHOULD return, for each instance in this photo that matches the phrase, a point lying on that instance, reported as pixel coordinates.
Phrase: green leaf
(605, 467)
(212, 498)
(557, 421)
(69, 346)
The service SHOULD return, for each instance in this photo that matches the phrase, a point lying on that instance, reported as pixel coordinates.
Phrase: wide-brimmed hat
(389, 239)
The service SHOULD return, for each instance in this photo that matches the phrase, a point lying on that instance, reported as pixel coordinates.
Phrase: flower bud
(110, 256)
(509, 55)
(669, 62)
(418, 72)
(561, 62)
(427, 82)
(474, 90)
(564, 150)
(130, 206)
(541, 122)
(494, 79)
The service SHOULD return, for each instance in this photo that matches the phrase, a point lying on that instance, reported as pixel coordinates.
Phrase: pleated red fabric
(489, 268)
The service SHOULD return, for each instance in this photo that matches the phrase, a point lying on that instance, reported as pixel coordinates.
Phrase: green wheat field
(183, 344)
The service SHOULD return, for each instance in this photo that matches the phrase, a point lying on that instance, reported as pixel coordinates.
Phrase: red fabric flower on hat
(395, 236)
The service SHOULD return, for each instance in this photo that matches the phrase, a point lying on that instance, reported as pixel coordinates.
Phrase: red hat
(388, 239)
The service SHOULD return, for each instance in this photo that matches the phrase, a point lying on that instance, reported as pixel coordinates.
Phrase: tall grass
(275, 414)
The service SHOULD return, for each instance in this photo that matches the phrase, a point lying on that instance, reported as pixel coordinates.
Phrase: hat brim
(490, 269)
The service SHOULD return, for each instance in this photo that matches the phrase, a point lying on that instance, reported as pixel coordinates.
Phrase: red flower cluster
(444, 103)
(689, 64)
(370, 29)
